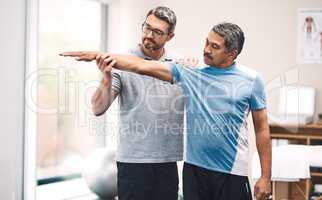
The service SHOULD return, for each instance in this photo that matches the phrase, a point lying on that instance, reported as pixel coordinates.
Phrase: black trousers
(147, 181)
(203, 184)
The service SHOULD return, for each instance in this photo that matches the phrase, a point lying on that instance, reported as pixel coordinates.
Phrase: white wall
(124, 22)
(311, 74)
(12, 57)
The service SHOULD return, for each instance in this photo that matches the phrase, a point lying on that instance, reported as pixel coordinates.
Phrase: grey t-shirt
(151, 117)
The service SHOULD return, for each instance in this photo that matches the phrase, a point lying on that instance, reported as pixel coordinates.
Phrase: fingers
(105, 62)
(101, 60)
(72, 53)
(109, 66)
(258, 193)
(97, 58)
(85, 57)
(80, 55)
(81, 58)
(261, 194)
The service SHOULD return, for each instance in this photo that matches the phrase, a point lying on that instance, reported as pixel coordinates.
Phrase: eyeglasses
(147, 29)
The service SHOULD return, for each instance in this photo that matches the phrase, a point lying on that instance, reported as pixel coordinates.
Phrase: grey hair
(165, 14)
(233, 35)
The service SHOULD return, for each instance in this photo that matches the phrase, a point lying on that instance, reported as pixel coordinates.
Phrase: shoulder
(182, 67)
(247, 73)
(173, 55)
(134, 52)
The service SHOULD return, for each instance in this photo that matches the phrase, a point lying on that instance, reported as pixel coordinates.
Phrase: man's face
(155, 33)
(215, 52)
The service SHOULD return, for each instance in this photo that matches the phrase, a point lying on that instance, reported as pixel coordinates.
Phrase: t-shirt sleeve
(119, 77)
(258, 96)
(176, 72)
(116, 80)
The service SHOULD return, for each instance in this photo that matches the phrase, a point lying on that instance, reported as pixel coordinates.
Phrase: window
(66, 129)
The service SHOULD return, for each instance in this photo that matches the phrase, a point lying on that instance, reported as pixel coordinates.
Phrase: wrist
(105, 82)
(266, 178)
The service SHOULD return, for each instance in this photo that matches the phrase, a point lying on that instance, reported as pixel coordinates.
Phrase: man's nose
(149, 34)
(207, 49)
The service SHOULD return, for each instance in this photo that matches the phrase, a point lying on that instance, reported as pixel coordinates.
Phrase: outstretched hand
(86, 56)
(104, 62)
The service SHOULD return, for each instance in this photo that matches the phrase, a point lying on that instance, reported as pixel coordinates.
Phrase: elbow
(97, 114)
(97, 111)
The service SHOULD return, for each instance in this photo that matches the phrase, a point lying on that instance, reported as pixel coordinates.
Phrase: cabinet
(308, 135)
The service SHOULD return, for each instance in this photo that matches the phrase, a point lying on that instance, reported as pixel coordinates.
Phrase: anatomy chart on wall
(309, 45)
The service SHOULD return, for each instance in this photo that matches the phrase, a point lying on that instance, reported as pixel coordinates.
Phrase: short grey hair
(165, 14)
(233, 35)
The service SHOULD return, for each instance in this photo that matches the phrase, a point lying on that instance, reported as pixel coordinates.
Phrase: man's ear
(233, 54)
(170, 36)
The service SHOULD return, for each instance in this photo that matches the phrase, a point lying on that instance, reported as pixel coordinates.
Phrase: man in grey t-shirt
(150, 139)
(151, 116)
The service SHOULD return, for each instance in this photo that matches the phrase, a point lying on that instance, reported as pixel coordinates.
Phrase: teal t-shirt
(218, 101)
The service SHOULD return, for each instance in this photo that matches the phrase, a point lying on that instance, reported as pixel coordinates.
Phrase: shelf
(316, 174)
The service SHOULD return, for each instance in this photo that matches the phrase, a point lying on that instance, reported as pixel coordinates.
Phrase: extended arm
(129, 63)
(138, 65)
(105, 95)
(134, 64)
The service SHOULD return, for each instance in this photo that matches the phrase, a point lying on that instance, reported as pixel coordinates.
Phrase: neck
(226, 64)
(154, 54)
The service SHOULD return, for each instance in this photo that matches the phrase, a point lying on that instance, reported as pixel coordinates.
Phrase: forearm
(128, 63)
(138, 65)
(102, 98)
(264, 147)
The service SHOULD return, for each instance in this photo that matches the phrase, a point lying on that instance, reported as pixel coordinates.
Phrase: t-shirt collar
(164, 57)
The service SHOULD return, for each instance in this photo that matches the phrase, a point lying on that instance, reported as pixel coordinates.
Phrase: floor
(75, 189)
